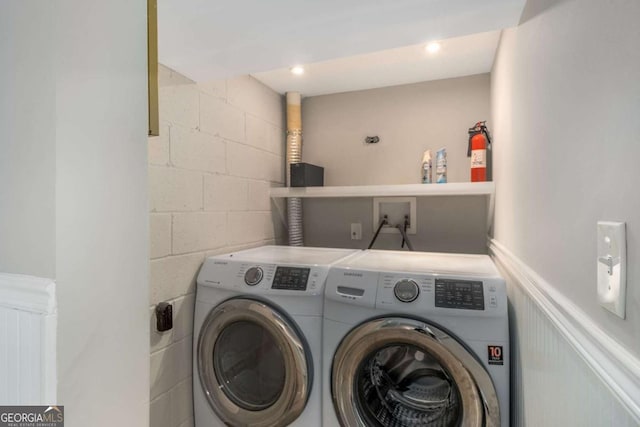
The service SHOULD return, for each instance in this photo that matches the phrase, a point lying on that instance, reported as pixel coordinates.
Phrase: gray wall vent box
(306, 175)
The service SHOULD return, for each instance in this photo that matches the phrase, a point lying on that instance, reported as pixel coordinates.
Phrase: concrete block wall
(220, 149)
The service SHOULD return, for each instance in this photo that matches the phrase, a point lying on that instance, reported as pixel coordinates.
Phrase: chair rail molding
(618, 368)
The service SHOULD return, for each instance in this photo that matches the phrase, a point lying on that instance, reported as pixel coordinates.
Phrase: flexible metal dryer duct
(294, 155)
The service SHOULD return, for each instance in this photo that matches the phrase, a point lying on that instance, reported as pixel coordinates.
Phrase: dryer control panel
(291, 278)
(419, 293)
(463, 294)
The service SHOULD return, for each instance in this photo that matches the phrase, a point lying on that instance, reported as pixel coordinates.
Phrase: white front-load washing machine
(258, 337)
(415, 339)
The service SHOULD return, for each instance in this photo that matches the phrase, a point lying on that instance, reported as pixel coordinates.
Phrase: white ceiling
(211, 39)
(460, 56)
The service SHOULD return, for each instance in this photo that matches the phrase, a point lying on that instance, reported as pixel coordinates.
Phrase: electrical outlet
(612, 265)
(356, 231)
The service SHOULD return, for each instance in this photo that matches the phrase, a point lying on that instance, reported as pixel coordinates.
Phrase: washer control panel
(253, 276)
(419, 293)
(461, 294)
(406, 290)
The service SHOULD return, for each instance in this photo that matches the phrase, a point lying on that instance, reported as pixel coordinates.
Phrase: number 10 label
(496, 357)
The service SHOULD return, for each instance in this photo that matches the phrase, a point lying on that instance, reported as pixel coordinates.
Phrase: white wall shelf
(419, 190)
(451, 189)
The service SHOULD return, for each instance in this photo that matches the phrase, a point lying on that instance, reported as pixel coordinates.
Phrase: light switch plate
(612, 266)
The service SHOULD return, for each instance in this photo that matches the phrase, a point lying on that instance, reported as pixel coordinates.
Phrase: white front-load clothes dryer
(415, 339)
(258, 336)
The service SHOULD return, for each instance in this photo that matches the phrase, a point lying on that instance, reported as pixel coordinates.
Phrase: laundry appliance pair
(313, 337)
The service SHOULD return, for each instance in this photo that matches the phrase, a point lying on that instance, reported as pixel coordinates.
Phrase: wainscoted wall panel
(28, 328)
(220, 149)
(553, 382)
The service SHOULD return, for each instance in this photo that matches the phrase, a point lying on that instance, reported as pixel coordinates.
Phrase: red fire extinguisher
(480, 152)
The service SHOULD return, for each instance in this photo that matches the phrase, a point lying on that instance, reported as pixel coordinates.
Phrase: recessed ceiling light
(298, 70)
(433, 47)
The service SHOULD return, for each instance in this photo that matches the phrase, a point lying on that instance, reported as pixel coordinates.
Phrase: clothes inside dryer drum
(403, 386)
(249, 365)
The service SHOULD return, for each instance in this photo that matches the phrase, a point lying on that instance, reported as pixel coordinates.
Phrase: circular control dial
(253, 276)
(406, 290)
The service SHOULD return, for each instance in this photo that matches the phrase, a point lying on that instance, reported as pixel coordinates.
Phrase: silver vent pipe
(294, 155)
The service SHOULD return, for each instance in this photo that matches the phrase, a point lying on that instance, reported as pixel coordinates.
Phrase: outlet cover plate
(356, 231)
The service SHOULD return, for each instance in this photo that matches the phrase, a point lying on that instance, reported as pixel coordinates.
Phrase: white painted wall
(28, 144)
(566, 102)
(73, 185)
(220, 150)
(445, 224)
(408, 119)
(101, 211)
(565, 107)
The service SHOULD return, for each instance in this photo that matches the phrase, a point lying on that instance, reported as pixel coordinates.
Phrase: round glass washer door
(397, 372)
(252, 364)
